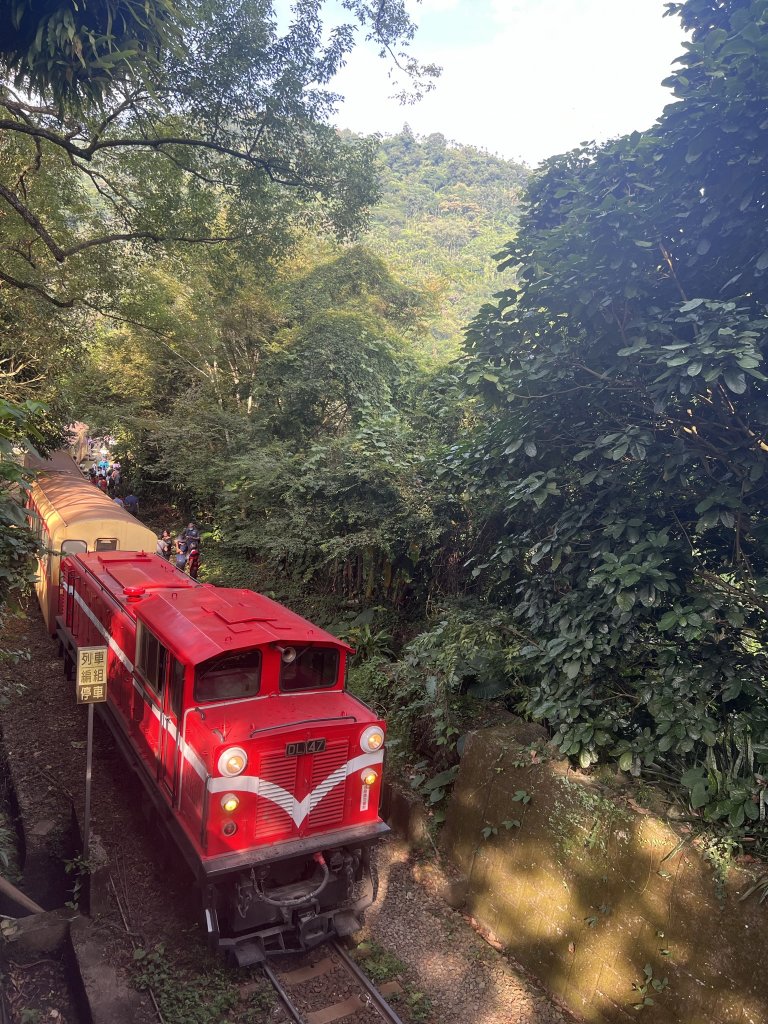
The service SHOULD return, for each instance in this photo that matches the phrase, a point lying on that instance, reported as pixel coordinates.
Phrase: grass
(199, 990)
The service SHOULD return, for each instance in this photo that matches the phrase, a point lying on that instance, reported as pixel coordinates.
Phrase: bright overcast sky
(524, 78)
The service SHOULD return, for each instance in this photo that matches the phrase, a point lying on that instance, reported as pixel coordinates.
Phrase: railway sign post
(91, 689)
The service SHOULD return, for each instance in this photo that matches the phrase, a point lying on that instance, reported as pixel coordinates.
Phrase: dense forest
(561, 510)
(443, 210)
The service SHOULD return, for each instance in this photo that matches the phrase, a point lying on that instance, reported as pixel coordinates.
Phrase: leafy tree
(628, 424)
(76, 52)
(144, 141)
(19, 425)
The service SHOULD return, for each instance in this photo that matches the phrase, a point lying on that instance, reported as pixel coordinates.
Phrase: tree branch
(29, 285)
(30, 218)
(280, 174)
(151, 236)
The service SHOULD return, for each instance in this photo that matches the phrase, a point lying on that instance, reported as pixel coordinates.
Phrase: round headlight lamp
(368, 776)
(229, 803)
(233, 762)
(372, 739)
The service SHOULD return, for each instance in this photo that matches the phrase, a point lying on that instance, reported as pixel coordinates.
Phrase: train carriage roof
(73, 499)
(56, 462)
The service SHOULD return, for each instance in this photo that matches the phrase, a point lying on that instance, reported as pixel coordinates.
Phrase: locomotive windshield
(229, 677)
(313, 668)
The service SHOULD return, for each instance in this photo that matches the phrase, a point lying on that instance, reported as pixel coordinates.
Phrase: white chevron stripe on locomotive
(297, 810)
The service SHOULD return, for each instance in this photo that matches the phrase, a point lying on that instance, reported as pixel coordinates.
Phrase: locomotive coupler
(314, 927)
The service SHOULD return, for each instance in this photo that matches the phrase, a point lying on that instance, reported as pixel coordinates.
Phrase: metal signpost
(91, 689)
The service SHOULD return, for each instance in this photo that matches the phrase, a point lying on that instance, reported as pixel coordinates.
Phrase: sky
(524, 78)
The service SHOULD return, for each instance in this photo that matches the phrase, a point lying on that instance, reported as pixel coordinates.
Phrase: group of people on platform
(185, 549)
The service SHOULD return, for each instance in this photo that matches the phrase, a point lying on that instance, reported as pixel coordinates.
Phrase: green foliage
(426, 695)
(585, 818)
(493, 830)
(648, 984)
(378, 963)
(201, 993)
(72, 51)
(173, 124)
(444, 209)
(299, 462)
(625, 436)
(18, 423)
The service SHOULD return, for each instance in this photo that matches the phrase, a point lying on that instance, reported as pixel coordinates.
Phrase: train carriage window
(151, 658)
(74, 547)
(106, 544)
(35, 521)
(229, 677)
(313, 668)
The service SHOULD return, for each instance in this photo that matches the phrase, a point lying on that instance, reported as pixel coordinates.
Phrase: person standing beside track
(165, 545)
(181, 553)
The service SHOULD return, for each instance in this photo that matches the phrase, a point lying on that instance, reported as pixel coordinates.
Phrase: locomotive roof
(199, 621)
(215, 620)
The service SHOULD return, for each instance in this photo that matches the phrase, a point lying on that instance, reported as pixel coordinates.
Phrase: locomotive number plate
(304, 747)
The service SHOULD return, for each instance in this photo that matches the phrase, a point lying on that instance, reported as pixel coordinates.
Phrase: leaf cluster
(625, 439)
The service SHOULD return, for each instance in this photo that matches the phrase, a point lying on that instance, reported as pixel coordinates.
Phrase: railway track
(330, 988)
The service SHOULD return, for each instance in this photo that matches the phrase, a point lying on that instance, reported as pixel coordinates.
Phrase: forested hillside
(445, 210)
(569, 517)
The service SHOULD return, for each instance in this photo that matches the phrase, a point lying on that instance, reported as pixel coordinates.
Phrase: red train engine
(233, 710)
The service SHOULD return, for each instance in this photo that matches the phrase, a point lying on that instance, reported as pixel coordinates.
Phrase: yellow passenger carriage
(69, 516)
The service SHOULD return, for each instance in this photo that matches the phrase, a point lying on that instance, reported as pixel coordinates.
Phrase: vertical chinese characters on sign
(91, 675)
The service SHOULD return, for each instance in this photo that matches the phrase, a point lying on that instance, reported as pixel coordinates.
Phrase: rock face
(607, 904)
(454, 892)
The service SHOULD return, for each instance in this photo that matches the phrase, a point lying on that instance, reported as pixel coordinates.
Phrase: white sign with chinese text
(91, 675)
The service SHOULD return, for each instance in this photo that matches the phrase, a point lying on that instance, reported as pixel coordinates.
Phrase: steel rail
(370, 994)
(282, 995)
(383, 1008)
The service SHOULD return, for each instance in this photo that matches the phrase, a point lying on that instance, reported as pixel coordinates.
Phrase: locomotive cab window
(106, 544)
(229, 677)
(313, 668)
(74, 547)
(151, 657)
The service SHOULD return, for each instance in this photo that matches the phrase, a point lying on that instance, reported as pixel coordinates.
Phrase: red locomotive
(233, 709)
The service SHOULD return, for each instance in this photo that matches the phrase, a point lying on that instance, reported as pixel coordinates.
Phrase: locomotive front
(279, 776)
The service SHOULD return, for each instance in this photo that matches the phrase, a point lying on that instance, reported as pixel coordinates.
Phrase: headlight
(233, 761)
(229, 803)
(368, 777)
(372, 739)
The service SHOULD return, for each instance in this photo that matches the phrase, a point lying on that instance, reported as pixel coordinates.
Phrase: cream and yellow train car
(69, 515)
